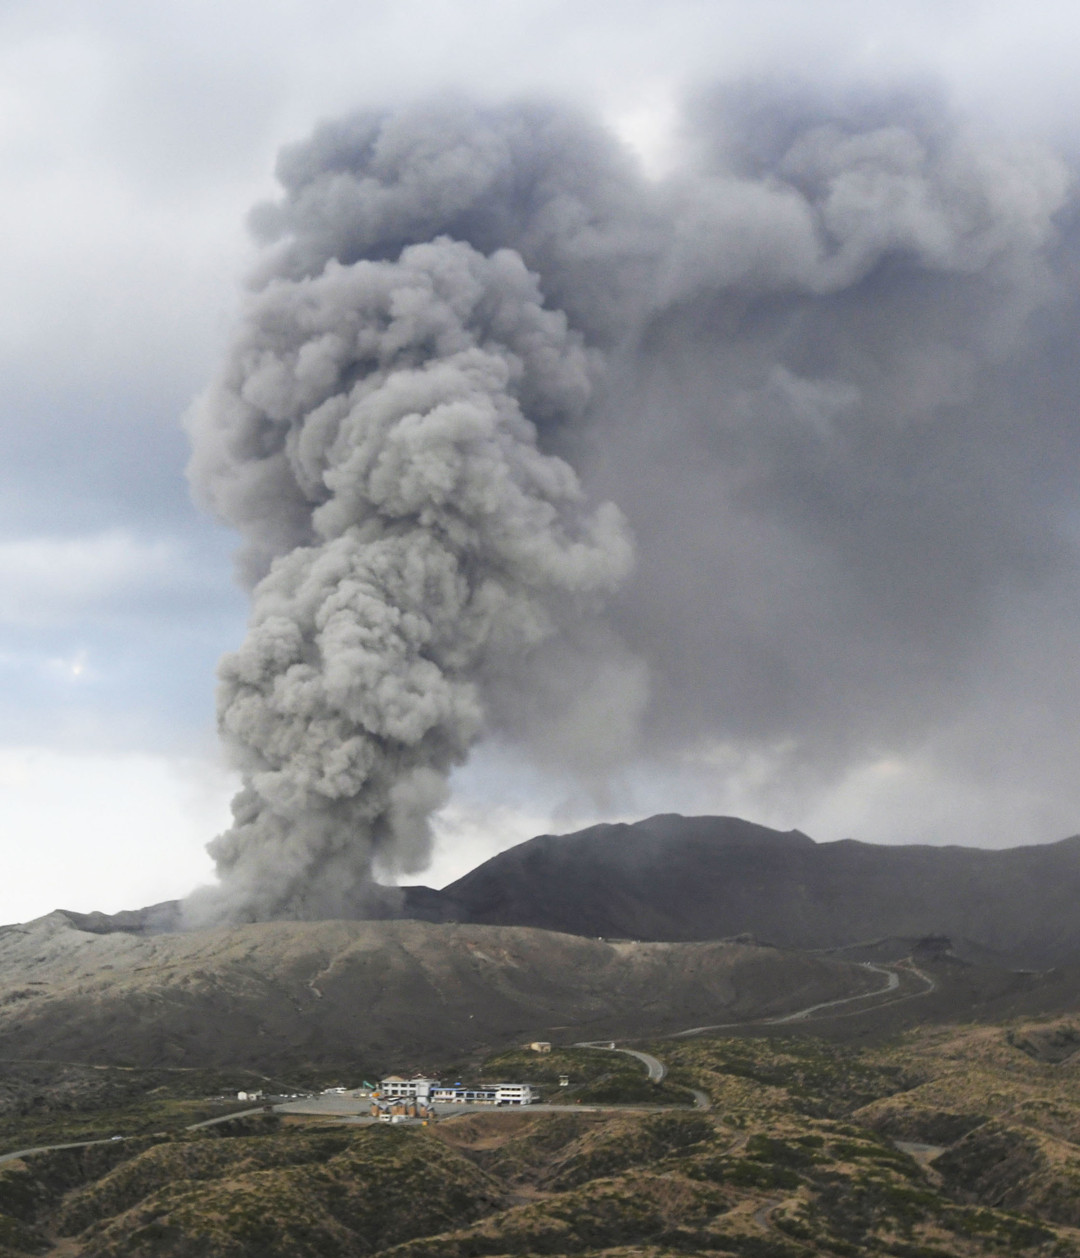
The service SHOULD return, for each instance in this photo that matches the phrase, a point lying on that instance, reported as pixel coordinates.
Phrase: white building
(496, 1094)
(514, 1094)
(418, 1089)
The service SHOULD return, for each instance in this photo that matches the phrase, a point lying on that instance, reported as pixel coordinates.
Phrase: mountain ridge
(686, 878)
(670, 878)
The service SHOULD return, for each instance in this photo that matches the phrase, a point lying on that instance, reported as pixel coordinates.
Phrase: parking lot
(358, 1110)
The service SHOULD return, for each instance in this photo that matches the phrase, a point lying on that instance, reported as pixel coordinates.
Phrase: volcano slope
(279, 994)
(683, 878)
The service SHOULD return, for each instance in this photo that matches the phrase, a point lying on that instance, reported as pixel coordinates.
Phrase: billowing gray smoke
(820, 369)
(374, 435)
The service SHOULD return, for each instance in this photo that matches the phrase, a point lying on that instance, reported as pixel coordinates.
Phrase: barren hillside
(683, 878)
(281, 992)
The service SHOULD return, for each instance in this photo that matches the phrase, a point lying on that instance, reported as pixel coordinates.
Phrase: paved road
(361, 1118)
(86, 1144)
(909, 967)
(48, 1148)
(656, 1068)
(224, 1118)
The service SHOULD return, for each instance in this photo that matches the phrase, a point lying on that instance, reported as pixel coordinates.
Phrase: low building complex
(432, 1091)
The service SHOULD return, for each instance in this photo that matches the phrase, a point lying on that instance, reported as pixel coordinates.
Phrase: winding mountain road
(656, 1068)
(891, 984)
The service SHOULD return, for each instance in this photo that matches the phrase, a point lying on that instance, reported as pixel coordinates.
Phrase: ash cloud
(822, 375)
(372, 428)
(855, 412)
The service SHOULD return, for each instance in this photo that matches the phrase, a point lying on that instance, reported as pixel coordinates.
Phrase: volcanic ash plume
(838, 403)
(373, 427)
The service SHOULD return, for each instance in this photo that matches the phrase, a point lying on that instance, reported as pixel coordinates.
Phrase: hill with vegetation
(955, 1142)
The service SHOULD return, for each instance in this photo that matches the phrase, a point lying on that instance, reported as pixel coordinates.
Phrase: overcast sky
(134, 138)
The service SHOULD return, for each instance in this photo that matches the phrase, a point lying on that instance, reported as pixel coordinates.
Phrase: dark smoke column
(372, 436)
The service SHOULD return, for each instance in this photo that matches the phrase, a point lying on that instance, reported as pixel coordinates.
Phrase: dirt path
(892, 983)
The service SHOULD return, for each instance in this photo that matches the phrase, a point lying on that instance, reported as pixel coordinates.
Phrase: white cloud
(44, 579)
(104, 832)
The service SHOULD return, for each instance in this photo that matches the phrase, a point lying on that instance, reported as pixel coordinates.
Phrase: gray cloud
(849, 459)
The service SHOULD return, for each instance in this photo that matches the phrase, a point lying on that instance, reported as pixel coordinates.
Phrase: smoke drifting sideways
(820, 375)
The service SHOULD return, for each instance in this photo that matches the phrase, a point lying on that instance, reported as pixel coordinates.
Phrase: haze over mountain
(683, 878)
(617, 931)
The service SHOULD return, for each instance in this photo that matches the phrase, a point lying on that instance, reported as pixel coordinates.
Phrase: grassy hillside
(953, 1141)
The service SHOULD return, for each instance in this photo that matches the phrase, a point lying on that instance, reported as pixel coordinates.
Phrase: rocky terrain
(282, 994)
